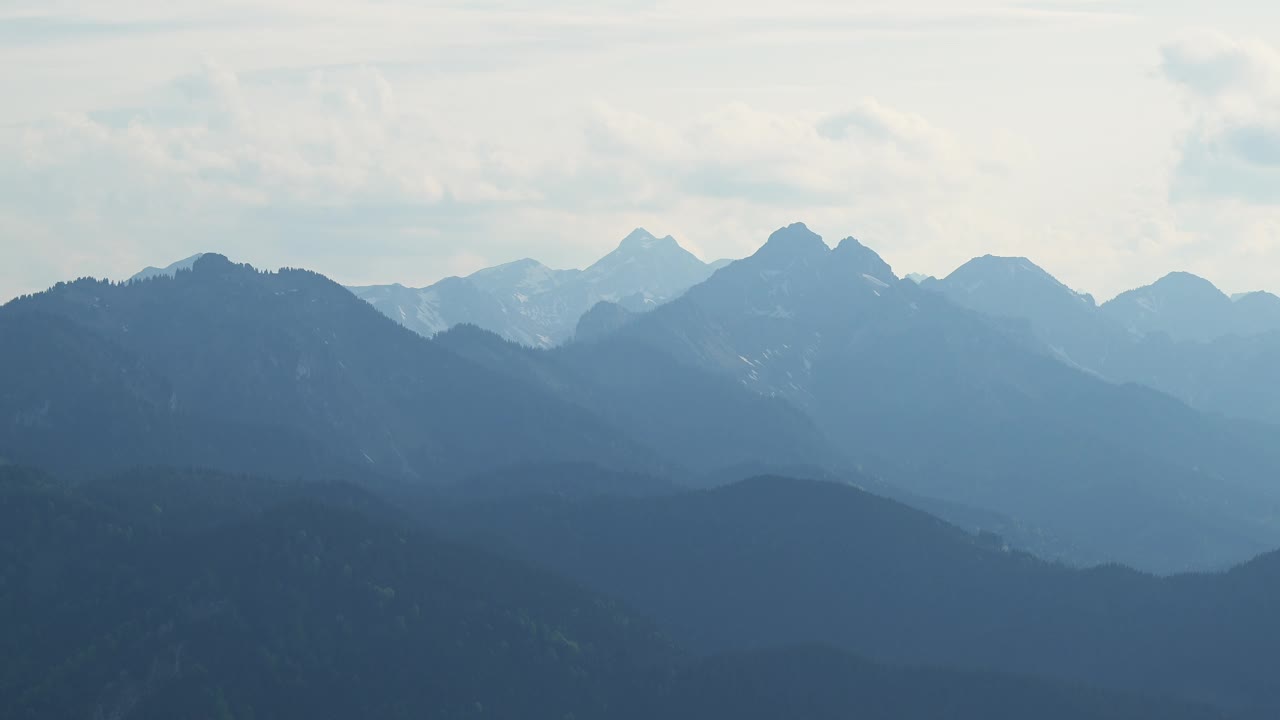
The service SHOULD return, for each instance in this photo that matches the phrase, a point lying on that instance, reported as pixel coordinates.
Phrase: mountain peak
(1260, 297)
(864, 259)
(642, 248)
(169, 270)
(521, 266)
(217, 268)
(1016, 275)
(1256, 312)
(1000, 266)
(793, 241)
(526, 277)
(527, 302)
(1011, 261)
(210, 261)
(1185, 286)
(641, 239)
(1182, 305)
(1187, 281)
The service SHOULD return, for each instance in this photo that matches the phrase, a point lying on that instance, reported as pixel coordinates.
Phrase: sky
(1109, 141)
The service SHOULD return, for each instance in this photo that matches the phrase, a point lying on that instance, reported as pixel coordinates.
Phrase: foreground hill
(316, 601)
(772, 561)
(822, 684)
(309, 608)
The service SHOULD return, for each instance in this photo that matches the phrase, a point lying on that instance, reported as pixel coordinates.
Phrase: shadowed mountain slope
(950, 404)
(191, 368)
(773, 561)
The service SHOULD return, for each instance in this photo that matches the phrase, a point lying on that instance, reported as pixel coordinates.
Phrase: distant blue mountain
(1180, 335)
(168, 270)
(953, 404)
(534, 305)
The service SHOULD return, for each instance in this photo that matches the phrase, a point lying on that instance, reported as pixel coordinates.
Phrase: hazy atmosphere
(607, 360)
(1111, 142)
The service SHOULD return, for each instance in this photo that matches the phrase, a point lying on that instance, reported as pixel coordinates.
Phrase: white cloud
(338, 140)
(801, 160)
(1233, 89)
(1214, 64)
(339, 166)
(401, 141)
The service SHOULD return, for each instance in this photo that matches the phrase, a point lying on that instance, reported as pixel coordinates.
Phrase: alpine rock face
(534, 305)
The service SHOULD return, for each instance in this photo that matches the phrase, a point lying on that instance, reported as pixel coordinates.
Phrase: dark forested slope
(306, 608)
(162, 594)
(215, 356)
(773, 561)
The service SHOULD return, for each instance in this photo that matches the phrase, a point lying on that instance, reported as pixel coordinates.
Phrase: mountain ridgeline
(308, 600)
(285, 373)
(531, 304)
(794, 485)
(1180, 335)
(773, 561)
(956, 405)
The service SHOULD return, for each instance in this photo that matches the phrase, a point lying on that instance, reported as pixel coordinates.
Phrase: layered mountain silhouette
(1180, 335)
(706, 420)
(1187, 307)
(773, 561)
(169, 270)
(196, 594)
(951, 405)
(306, 602)
(1069, 323)
(801, 355)
(529, 303)
(288, 373)
(288, 355)
(234, 493)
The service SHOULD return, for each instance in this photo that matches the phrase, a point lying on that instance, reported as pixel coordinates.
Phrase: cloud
(339, 140)
(1232, 150)
(402, 141)
(1213, 64)
(260, 172)
(337, 166)
(792, 159)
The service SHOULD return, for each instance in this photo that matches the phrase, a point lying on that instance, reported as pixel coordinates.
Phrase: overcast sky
(1109, 141)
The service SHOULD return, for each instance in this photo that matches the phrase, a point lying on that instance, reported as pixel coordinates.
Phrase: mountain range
(225, 366)
(773, 561)
(532, 304)
(1180, 335)
(800, 356)
(161, 593)
(795, 485)
(1187, 307)
(955, 405)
